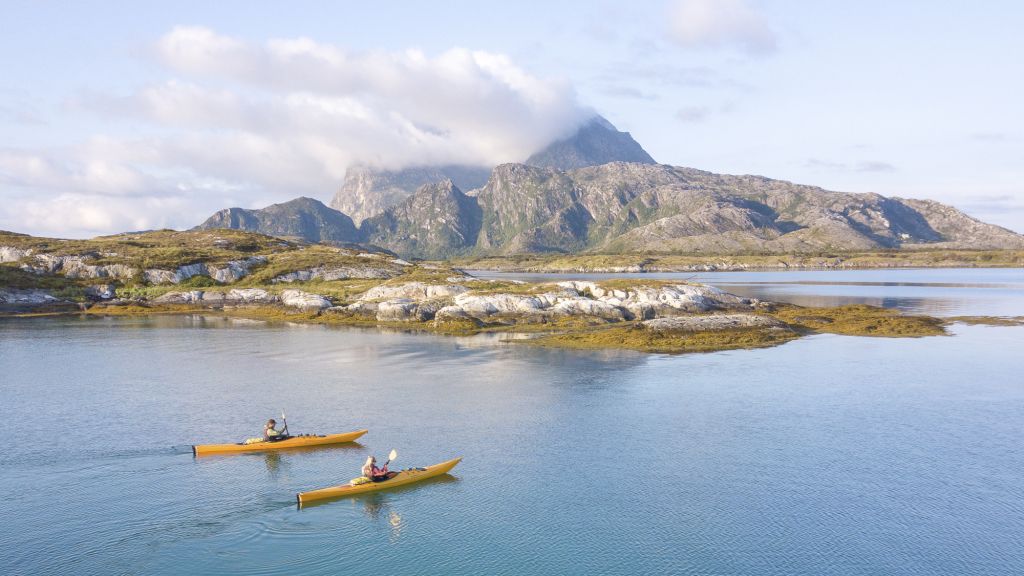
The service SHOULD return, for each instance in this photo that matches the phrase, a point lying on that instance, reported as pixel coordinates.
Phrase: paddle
(391, 457)
(284, 431)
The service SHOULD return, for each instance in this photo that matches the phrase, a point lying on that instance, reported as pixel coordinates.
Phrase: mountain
(596, 142)
(631, 207)
(438, 221)
(304, 218)
(628, 207)
(367, 191)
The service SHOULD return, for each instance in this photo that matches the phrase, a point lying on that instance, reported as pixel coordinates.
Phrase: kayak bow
(400, 479)
(294, 442)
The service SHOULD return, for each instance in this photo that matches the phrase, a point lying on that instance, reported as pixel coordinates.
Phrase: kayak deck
(400, 479)
(293, 442)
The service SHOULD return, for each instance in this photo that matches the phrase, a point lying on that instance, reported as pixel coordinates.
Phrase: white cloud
(861, 166)
(80, 215)
(241, 123)
(693, 114)
(720, 23)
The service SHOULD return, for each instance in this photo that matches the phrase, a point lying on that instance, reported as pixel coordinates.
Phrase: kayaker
(371, 471)
(271, 433)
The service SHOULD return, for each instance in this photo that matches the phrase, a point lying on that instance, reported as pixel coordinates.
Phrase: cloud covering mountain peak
(240, 122)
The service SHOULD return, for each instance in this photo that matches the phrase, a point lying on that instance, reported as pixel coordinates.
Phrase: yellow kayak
(293, 442)
(400, 479)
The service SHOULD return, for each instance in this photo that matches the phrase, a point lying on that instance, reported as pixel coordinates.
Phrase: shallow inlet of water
(827, 455)
(937, 291)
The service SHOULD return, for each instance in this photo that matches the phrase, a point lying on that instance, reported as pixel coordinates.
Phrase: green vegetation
(648, 262)
(309, 257)
(67, 288)
(859, 320)
(636, 337)
(169, 249)
(987, 320)
(163, 249)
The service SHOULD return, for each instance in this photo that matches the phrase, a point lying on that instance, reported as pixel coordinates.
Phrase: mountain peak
(596, 142)
(302, 217)
(439, 220)
(368, 191)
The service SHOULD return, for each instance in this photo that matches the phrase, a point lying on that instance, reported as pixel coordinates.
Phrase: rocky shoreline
(265, 278)
(666, 317)
(639, 264)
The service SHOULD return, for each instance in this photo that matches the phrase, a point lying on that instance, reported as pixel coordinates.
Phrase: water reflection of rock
(916, 305)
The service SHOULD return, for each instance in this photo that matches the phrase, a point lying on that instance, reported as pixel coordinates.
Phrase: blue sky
(129, 115)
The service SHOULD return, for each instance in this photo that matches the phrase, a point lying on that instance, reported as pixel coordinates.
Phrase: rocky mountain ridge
(623, 207)
(368, 191)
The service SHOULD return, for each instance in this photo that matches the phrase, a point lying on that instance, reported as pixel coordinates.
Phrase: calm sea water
(827, 455)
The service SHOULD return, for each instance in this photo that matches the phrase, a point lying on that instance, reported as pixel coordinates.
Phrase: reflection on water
(377, 506)
(938, 292)
(273, 461)
(828, 455)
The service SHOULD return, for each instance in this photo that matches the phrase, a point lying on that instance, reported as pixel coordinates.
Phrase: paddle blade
(392, 455)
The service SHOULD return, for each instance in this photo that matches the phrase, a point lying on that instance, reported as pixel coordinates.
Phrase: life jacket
(271, 433)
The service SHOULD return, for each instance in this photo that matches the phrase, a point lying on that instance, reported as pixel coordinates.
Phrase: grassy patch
(164, 249)
(636, 337)
(909, 258)
(491, 287)
(634, 283)
(310, 257)
(859, 320)
(65, 288)
(988, 320)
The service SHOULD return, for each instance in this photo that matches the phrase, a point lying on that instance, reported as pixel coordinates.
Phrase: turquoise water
(827, 455)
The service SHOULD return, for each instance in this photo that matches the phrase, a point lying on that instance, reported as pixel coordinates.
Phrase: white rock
(451, 313)
(413, 290)
(399, 309)
(213, 298)
(157, 276)
(12, 254)
(587, 307)
(76, 266)
(251, 296)
(336, 273)
(189, 270)
(362, 308)
(304, 300)
(100, 292)
(485, 305)
(407, 309)
(711, 322)
(190, 297)
(234, 270)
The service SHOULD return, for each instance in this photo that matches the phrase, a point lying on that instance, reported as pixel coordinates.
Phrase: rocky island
(251, 275)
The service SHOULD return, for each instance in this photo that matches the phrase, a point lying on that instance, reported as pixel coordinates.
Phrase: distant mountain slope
(438, 221)
(304, 218)
(596, 142)
(367, 191)
(632, 207)
(658, 208)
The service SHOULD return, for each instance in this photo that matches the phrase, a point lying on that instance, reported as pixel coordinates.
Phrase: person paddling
(271, 433)
(371, 471)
